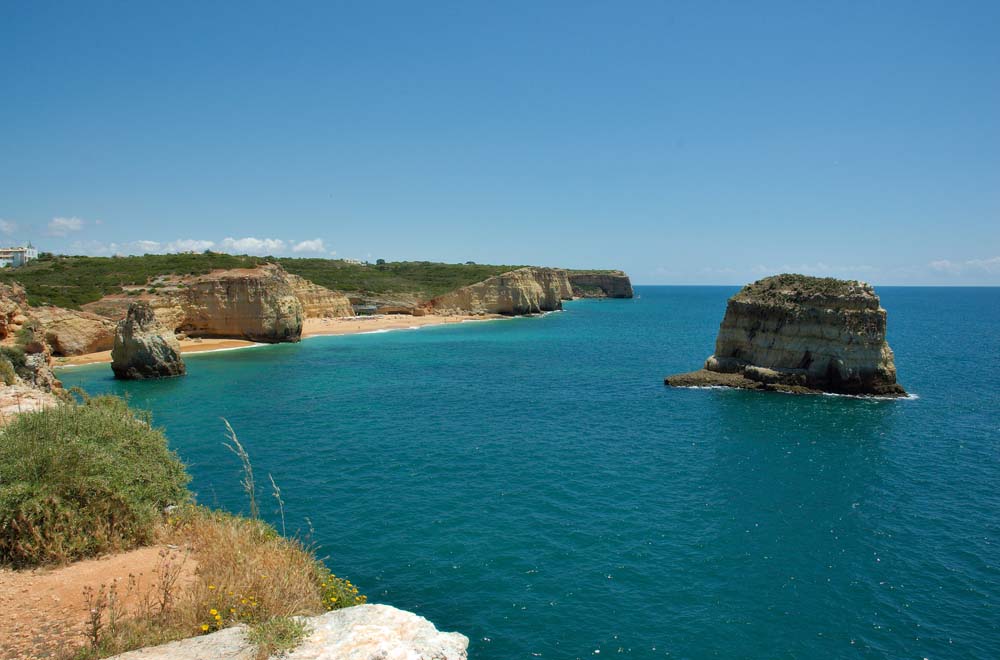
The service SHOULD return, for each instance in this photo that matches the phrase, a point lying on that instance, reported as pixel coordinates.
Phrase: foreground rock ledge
(363, 632)
(800, 334)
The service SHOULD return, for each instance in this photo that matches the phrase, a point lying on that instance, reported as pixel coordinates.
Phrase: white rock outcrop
(363, 632)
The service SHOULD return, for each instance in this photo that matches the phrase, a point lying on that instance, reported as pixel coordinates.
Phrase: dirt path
(42, 611)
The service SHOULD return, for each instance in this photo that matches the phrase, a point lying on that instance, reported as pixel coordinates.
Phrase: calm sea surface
(532, 484)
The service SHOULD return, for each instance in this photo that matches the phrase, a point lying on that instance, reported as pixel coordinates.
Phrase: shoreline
(315, 327)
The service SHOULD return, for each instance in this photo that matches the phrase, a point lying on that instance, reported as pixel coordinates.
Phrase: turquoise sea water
(532, 484)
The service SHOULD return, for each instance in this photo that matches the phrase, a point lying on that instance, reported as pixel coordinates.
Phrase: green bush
(83, 479)
(7, 373)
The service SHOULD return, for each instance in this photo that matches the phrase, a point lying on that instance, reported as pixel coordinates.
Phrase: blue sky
(686, 142)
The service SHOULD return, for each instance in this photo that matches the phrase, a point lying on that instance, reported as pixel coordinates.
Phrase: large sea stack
(144, 348)
(795, 333)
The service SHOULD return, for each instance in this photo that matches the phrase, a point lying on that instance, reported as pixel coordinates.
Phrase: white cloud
(189, 245)
(250, 245)
(63, 226)
(151, 247)
(7, 227)
(990, 265)
(315, 245)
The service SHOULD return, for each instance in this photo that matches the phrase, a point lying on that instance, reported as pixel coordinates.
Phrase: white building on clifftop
(17, 256)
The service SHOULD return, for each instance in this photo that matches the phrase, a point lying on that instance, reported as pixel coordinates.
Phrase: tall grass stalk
(249, 486)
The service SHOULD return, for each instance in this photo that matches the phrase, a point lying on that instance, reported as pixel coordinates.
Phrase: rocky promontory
(144, 348)
(523, 291)
(801, 334)
(600, 284)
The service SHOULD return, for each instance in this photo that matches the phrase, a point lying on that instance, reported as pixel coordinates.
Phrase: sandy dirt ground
(43, 612)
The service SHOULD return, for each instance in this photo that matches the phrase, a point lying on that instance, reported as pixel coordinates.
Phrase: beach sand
(311, 328)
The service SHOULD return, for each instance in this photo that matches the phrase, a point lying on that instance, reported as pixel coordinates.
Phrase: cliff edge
(801, 334)
(364, 632)
(600, 284)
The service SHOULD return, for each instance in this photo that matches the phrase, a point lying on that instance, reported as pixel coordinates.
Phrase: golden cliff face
(69, 332)
(318, 302)
(601, 284)
(521, 291)
(257, 304)
(797, 333)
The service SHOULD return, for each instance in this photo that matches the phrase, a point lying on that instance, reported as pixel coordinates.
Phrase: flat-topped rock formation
(801, 334)
(144, 348)
(257, 304)
(522, 291)
(362, 632)
(600, 284)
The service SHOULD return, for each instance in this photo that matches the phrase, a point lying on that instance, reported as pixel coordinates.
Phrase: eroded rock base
(767, 380)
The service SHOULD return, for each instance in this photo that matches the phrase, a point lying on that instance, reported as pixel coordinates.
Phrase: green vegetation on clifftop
(74, 281)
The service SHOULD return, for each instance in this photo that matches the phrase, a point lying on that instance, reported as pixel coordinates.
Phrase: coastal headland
(255, 301)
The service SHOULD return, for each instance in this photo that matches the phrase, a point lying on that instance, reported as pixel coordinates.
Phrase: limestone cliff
(802, 334)
(144, 348)
(257, 304)
(522, 291)
(69, 332)
(318, 301)
(600, 284)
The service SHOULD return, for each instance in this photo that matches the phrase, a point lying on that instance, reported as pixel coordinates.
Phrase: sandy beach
(311, 328)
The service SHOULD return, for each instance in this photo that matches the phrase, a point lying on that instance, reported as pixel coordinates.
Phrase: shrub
(14, 355)
(7, 372)
(82, 479)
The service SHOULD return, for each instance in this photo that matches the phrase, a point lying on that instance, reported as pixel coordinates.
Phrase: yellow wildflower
(204, 627)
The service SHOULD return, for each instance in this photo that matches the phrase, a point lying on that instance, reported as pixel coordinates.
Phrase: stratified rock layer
(318, 302)
(258, 304)
(69, 332)
(363, 632)
(801, 334)
(600, 284)
(144, 348)
(522, 291)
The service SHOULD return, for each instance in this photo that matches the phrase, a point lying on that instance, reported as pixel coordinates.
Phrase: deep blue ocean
(532, 483)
